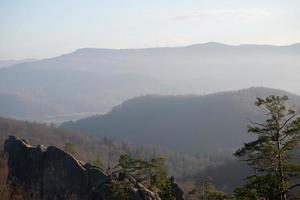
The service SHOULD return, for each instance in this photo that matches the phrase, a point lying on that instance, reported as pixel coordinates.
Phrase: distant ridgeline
(95, 80)
(51, 173)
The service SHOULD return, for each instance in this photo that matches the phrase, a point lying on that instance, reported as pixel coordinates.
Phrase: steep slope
(94, 80)
(213, 123)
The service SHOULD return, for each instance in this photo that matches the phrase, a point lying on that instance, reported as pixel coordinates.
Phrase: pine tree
(152, 174)
(272, 154)
(206, 190)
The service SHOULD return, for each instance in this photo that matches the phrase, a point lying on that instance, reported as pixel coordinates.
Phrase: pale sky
(47, 28)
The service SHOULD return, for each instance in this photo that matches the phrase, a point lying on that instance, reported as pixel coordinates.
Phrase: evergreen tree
(206, 191)
(152, 174)
(272, 154)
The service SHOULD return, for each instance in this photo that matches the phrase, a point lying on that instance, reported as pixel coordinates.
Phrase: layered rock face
(52, 174)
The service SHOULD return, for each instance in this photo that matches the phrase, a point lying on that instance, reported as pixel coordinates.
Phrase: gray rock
(52, 174)
(178, 192)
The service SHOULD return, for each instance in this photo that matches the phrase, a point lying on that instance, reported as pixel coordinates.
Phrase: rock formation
(50, 173)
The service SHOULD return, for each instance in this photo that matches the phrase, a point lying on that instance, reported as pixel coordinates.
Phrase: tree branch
(293, 186)
(287, 121)
(258, 124)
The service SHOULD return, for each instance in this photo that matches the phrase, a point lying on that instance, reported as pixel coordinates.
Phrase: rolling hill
(95, 80)
(206, 124)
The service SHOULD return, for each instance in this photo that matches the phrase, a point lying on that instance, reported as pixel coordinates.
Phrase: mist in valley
(137, 100)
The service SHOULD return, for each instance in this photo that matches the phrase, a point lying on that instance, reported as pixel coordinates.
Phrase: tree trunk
(281, 183)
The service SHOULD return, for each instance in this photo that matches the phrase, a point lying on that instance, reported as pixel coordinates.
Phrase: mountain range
(90, 80)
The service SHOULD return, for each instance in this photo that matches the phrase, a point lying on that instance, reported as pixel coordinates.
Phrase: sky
(47, 28)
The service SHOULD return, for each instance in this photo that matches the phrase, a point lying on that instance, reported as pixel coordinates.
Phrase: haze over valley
(90, 81)
(149, 100)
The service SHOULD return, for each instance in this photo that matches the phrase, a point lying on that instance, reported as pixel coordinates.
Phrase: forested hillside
(194, 124)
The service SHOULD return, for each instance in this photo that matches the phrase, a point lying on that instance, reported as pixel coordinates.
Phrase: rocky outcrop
(178, 192)
(52, 174)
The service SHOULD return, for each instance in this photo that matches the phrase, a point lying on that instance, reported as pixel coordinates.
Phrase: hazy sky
(45, 28)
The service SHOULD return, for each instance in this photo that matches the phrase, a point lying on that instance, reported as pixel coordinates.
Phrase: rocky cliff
(50, 173)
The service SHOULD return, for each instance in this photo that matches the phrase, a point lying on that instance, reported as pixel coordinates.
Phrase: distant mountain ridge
(95, 80)
(215, 123)
(207, 44)
(7, 63)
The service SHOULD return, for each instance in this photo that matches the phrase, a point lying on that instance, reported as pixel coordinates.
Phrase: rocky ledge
(50, 173)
